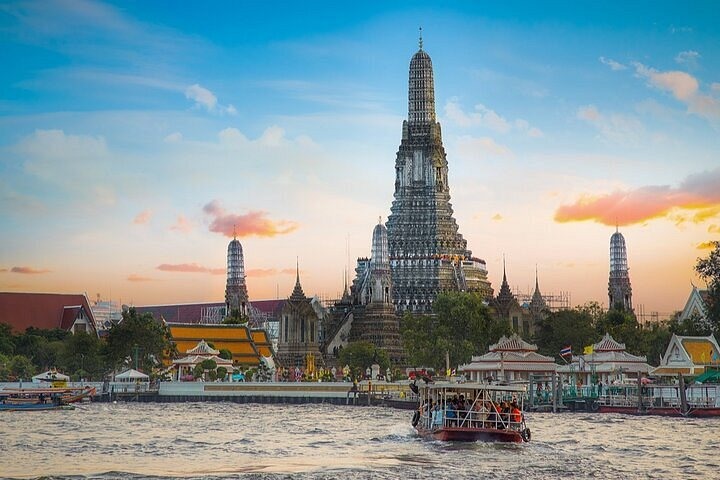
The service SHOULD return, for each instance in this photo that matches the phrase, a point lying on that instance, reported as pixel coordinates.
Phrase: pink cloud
(252, 223)
(143, 217)
(182, 225)
(28, 270)
(269, 272)
(190, 268)
(699, 193)
(138, 278)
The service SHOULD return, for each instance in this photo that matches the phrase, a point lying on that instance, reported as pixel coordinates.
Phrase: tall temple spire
(428, 255)
(236, 295)
(297, 293)
(619, 288)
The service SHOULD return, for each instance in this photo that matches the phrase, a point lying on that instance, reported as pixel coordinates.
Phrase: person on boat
(41, 398)
(437, 417)
(515, 413)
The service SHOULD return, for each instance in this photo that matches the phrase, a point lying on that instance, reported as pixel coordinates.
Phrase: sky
(134, 135)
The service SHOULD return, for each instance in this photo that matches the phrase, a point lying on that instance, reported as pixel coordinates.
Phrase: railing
(470, 419)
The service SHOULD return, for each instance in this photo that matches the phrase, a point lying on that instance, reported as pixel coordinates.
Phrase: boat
(674, 400)
(470, 412)
(64, 396)
(33, 407)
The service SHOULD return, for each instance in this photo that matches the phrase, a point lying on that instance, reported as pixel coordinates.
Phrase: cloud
(138, 278)
(189, 268)
(689, 57)
(182, 225)
(715, 87)
(28, 270)
(268, 272)
(480, 148)
(699, 193)
(612, 64)
(485, 117)
(497, 217)
(253, 223)
(143, 217)
(174, 137)
(709, 245)
(204, 98)
(714, 229)
(614, 127)
(684, 87)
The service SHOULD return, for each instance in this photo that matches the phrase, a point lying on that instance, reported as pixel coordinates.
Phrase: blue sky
(133, 133)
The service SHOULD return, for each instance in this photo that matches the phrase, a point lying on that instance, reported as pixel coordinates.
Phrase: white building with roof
(689, 356)
(510, 359)
(608, 363)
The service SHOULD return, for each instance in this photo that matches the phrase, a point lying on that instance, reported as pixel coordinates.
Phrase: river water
(228, 440)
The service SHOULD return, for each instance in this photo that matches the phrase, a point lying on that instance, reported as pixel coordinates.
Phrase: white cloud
(174, 137)
(615, 127)
(612, 64)
(204, 98)
(480, 148)
(689, 57)
(485, 117)
(715, 87)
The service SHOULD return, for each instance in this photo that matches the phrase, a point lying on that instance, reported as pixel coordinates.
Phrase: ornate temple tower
(236, 295)
(374, 315)
(619, 289)
(298, 344)
(427, 254)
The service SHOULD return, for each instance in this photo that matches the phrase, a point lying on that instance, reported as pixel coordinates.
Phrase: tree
(138, 334)
(221, 373)
(20, 367)
(573, 327)
(623, 326)
(361, 355)
(7, 344)
(225, 354)
(709, 270)
(461, 326)
(81, 354)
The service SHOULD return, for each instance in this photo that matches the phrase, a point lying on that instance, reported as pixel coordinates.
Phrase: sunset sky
(134, 135)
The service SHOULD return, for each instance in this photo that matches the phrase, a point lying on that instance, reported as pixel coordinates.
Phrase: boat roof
(472, 386)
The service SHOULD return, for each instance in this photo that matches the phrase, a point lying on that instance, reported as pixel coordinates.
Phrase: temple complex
(374, 318)
(427, 253)
(510, 359)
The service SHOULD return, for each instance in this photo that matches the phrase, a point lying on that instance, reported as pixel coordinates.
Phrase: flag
(566, 351)
(588, 350)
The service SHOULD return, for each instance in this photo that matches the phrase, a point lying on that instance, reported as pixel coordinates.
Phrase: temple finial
(234, 232)
(420, 41)
(297, 269)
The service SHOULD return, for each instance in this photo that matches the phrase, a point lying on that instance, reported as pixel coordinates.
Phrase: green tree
(225, 354)
(624, 327)
(709, 271)
(221, 372)
(139, 333)
(20, 367)
(573, 327)
(209, 364)
(361, 355)
(655, 341)
(461, 326)
(692, 326)
(81, 355)
(7, 339)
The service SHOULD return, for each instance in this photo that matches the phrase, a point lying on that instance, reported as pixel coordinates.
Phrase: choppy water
(216, 440)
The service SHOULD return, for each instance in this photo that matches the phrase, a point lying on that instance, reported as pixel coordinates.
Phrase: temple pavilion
(689, 356)
(510, 359)
(608, 363)
(202, 351)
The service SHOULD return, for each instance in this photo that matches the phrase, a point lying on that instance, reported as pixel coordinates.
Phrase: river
(229, 440)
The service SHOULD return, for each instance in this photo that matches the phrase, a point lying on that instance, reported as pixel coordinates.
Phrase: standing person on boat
(515, 413)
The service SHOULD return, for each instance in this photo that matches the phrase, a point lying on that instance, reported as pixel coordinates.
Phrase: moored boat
(33, 407)
(675, 400)
(471, 412)
(62, 396)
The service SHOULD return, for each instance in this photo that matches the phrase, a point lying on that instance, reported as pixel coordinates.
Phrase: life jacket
(516, 415)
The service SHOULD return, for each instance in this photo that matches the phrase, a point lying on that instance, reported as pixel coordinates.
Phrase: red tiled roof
(268, 306)
(22, 310)
(180, 313)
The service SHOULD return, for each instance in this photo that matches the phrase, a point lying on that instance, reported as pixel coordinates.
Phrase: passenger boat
(694, 400)
(469, 412)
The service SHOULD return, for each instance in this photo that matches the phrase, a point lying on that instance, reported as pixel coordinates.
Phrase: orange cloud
(497, 217)
(698, 192)
(138, 278)
(28, 270)
(714, 229)
(143, 217)
(190, 268)
(252, 223)
(269, 272)
(710, 245)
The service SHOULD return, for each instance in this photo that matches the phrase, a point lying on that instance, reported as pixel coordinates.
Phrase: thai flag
(566, 351)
